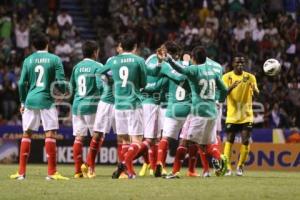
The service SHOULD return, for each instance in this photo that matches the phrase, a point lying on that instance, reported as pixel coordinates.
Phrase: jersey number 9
(123, 73)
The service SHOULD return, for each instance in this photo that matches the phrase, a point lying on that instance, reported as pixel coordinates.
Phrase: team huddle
(146, 103)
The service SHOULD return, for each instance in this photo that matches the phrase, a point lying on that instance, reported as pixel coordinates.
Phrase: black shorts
(236, 128)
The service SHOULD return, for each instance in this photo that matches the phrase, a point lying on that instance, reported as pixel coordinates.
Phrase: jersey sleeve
(181, 69)
(225, 80)
(160, 84)
(23, 83)
(222, 88)
(60, 75)
(172, 74)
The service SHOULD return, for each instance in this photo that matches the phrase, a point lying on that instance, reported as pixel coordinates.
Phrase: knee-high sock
(244, 151)
(50, 145)
(24, 154)
(93, 150)
(162, 151)
(144, 151)
(119, 150)
(213, 150)
(179, 157)
(130, 155)
(125, 148)
(204, 161)
(77, 155)
(152, 153)
(193, 149)
(227, 153)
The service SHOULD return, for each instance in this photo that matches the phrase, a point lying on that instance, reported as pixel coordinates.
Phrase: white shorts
(129, 122)
(184, 130)
(162, 116)
(105, 118)
(219, 118)
(151, 119)
(83, 123)
(172, 127)
(202, 130)
(32, 118)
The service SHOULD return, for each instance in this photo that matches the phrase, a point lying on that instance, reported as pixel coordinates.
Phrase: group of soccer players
(147, 103)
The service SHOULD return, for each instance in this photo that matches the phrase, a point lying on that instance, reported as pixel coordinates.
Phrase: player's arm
(23, 85)
(232, 86)
(172, 74)
(60, 76)
(161, 83)
(254, 86)
(73, 85)
(222, 88)
(178, 67)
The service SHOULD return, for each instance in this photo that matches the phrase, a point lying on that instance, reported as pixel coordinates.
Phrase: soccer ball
(272, 67)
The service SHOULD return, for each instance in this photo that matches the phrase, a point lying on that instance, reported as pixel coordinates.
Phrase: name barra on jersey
(41, 60)
(127, 60)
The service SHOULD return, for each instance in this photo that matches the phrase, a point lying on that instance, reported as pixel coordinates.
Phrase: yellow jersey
(239, 101)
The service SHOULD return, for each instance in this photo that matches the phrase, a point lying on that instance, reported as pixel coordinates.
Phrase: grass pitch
(254, 185)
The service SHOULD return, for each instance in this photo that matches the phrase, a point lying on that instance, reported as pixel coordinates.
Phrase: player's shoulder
(228, 74)
(250, 75)
(151, 59)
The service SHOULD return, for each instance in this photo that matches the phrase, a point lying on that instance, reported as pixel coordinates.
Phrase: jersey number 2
(40, 70)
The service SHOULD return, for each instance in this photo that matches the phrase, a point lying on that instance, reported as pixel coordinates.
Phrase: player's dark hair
(128, 41)
(173, 48)
(88, 48)
(40, 41)
(199, 54)
(238, 55)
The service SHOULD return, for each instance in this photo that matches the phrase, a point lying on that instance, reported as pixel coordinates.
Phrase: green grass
(254, 185)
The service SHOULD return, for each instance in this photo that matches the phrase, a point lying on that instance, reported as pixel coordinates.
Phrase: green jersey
(218, 69)
(39, 72)
(203, 81)
(179, 100)
(129, 76)
(106, 83)
(152, 97)
(84, 86)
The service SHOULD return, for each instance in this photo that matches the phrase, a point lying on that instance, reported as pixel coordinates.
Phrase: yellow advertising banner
(268, 156)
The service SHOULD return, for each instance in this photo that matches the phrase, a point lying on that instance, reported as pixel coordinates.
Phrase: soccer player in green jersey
(203, 81)
(40, 72)
(129, 76)
(86, 96)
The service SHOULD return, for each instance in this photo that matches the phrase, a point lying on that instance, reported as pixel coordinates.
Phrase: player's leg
(50, 124)
(31, 122)
(192, 151)
(230, 132)
(181, 152)
(171, 130)
(135, 129)
(79, 131)
(151, 125)
(245, 148)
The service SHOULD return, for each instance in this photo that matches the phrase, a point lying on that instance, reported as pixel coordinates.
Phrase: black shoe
(121, 168)
(158, 170)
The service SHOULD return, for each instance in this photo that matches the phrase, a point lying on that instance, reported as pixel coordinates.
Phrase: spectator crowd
(260, 29)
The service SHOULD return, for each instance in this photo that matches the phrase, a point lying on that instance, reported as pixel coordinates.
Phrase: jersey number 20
(208, 89)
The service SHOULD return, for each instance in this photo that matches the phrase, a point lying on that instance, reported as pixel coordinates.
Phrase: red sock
(130, 155)
(179, 157)
(152, 154)
(24, 154)
(125, 148)
(219, 143)
(77, 155)
(193, 149)
(144, 151)
(204, 161)
(50, 145)
(162, 151)
(213, 150)
(120, 152)
(93, 150)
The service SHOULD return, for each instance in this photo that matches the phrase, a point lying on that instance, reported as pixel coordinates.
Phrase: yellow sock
(244, 151)
(227, 153)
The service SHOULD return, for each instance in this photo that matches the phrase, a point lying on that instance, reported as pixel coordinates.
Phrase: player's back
(203, 85)
(129, 75)
(86, 93)
(41, 70)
